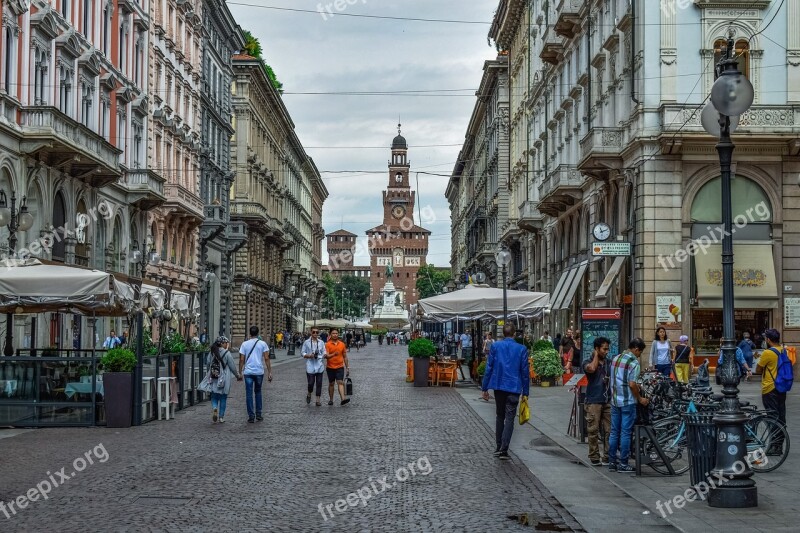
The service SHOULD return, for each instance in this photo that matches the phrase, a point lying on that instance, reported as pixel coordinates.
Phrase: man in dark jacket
(508, 375)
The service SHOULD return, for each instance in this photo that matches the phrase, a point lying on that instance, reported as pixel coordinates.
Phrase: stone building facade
(74, 123)
(341, 246)
(260, 124)
(612, 112)
(397, 243)
(219, 236)
(478, 188)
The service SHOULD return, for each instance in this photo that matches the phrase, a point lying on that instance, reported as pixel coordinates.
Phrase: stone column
(669, 51)
(793, 52)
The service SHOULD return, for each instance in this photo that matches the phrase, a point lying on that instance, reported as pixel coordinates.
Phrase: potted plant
(547, 365)
(482, 370)
(421, 350)
(118, 364)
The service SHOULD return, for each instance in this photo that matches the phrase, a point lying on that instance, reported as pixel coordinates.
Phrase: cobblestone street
(189, 475)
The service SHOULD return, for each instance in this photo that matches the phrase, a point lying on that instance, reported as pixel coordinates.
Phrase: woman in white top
(661, 353)
(314, 354)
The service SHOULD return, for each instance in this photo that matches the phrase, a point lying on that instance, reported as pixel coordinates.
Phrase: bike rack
(643, 458)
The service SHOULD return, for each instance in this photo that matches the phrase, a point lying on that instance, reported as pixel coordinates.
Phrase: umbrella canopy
(328, 323)
(32, 287)
(366, 326)
(481, 301)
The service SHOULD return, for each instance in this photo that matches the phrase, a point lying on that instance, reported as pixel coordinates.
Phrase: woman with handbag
(221, 369)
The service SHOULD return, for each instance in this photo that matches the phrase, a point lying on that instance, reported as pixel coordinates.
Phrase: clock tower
(398, 242)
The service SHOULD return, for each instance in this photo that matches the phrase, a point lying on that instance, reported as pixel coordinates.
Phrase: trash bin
(701, 439)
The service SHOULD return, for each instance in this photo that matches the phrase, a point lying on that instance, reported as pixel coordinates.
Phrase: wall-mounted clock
(601, 232)
(398, 178)
(398, 211)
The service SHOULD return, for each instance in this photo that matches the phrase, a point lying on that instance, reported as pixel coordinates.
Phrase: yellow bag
(524, 410)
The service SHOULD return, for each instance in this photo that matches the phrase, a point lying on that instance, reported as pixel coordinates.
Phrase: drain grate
(538, 523)
(162, 500)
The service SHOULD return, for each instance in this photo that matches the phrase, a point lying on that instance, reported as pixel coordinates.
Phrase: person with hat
(746, 346)
(682, 358)
(221, 387)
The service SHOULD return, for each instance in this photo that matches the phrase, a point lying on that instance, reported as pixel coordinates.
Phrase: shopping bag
(524, 410)
(348, 386)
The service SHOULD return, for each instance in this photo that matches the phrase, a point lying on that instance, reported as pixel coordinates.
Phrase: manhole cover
(161, 500)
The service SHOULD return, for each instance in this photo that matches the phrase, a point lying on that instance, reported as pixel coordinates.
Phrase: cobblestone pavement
(189, 475)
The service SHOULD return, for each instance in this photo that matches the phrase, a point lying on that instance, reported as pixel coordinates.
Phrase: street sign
(612, 248)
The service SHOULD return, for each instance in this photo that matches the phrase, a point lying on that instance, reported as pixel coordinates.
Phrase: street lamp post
(247, 287)
(503, 258)
(16, 220)
(142, 259)
(731, 96)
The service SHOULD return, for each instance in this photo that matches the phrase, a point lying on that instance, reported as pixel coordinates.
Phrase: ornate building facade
(478, 188)
(398, 246)
(260, 124)
(613, 118)
(173, 144)
(74, 128)
(220, 237)
(341, 246)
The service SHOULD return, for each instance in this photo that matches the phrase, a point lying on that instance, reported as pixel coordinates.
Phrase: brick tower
(398, 242)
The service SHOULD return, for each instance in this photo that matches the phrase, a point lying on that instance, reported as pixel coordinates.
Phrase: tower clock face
(398, 178)
(398, 211)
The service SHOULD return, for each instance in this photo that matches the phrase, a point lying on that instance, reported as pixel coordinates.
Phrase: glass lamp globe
(5, 217)
(732, 93)
(154, 258)
(25, 221)
(710, 119)
(503, 258)
(136, 256)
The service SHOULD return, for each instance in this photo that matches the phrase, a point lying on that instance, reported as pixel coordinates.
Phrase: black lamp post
(16, 220)
(731, 95)
(141, 259)
(503, 259)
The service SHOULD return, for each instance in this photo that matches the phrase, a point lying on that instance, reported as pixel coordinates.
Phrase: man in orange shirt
(336, 365)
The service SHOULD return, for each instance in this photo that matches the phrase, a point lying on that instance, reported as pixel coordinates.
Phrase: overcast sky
(346, 54)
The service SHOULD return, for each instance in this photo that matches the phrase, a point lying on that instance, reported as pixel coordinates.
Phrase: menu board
(791, 312)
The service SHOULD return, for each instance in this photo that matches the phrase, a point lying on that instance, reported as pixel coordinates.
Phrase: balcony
(64, 144)
(184, 201)
(559, 190)
(235, 236)
(568, 22)
(250, 211)
(530, 218)
(145, 188)
(8, 109)
(486, 250)
(601, 150)
(552, 47)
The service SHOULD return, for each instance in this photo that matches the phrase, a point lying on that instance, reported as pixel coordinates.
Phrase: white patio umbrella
(482, 301)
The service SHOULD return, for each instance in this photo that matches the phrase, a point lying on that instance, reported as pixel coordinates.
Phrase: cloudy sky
(344, 133)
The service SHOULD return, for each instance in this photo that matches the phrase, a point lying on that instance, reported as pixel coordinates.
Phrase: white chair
(163, 398)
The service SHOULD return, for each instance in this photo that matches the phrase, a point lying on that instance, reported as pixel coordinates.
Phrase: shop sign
(791, 312)
(600, 322)
(668, 310)
(611, 248)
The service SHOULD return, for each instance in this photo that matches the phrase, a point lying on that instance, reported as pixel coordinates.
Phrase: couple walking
(253, 358)
(330, 357)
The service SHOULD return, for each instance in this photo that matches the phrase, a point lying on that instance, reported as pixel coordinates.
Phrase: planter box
(118, 398)
(422, 366)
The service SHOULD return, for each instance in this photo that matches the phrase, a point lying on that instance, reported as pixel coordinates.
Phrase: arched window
(747, 199)
(741, 53)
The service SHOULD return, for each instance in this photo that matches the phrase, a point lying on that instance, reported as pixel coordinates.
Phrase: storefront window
(747, 199)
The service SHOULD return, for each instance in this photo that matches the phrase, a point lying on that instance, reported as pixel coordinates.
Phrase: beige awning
(574, 283)
(613, 272)
(558, 292)
(754, 283)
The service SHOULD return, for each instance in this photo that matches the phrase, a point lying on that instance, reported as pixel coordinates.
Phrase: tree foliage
(253, 48)
(356, 296)
(431, 280)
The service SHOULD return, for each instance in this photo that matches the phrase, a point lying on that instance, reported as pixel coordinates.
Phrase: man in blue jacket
(508, 375)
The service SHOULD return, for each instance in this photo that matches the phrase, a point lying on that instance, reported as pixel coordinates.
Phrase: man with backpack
(775, 368)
